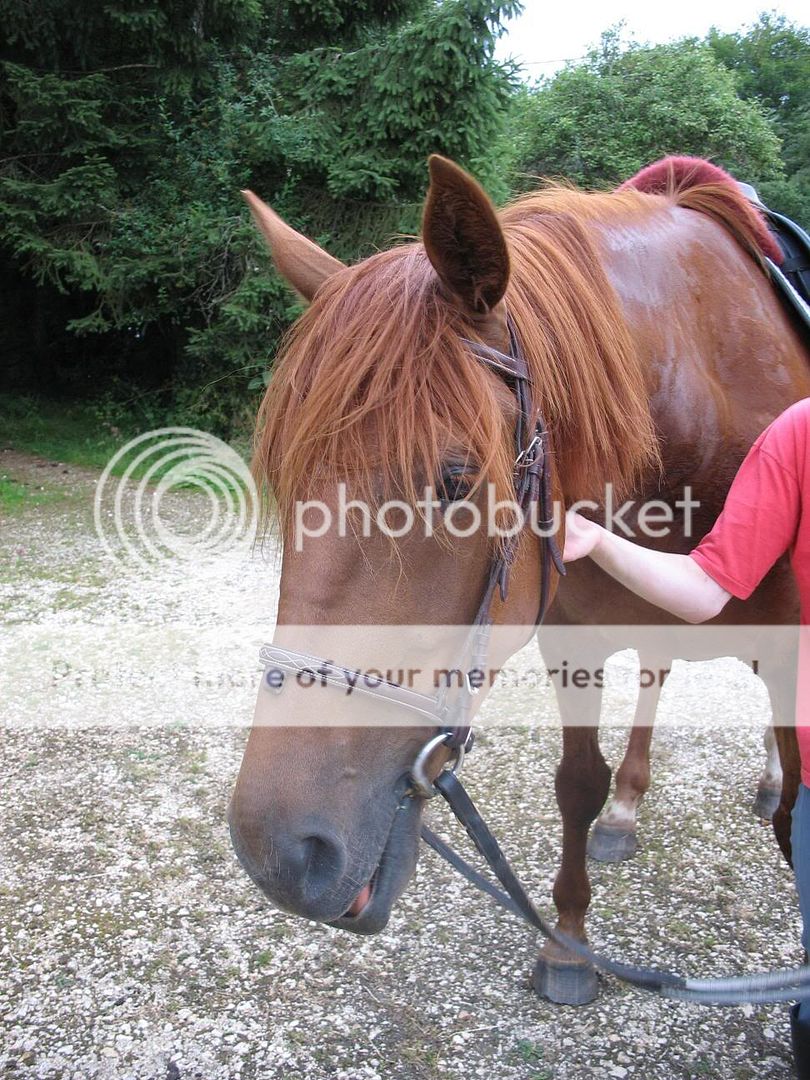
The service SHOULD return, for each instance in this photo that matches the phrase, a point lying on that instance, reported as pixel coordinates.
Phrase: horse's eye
(454, 484)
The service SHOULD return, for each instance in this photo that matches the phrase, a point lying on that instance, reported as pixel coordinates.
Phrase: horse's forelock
(372, 386)
(374, 382)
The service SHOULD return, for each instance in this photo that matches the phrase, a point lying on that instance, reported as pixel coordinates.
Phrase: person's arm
(757, 525)
(673, 582)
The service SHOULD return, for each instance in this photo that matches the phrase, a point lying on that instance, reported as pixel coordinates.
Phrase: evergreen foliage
(128, 130)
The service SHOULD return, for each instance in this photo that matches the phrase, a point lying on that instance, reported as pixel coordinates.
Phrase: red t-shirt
(766, 513)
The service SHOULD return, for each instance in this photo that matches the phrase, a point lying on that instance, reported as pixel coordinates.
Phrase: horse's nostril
(312, 862)
(325, 856)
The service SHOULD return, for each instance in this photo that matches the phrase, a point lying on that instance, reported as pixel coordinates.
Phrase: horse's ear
(463, 238)
(299, 261)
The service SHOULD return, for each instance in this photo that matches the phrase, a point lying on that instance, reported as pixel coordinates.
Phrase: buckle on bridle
(528, 456)
(468, 686)
(422, 784)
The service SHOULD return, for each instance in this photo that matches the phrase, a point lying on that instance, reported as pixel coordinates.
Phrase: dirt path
(133, 946)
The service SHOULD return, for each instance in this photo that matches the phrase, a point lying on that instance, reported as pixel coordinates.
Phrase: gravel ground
(132, 945)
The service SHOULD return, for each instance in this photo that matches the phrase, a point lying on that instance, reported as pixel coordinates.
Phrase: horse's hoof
(606, 844)
(767, 802)
(565, 983)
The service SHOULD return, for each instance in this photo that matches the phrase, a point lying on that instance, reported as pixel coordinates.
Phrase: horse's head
(375, 390)
(377, 396)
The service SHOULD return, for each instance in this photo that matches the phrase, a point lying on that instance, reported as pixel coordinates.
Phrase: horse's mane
(373, 384)
(696, 184)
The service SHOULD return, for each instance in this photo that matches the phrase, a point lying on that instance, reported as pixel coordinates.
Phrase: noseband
(450, 712)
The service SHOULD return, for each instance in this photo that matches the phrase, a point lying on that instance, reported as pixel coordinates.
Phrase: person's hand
(581, 536)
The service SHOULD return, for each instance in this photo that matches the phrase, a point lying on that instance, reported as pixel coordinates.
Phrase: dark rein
(452, 716)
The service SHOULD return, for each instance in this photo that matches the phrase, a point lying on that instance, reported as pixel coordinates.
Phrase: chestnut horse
(658, 351)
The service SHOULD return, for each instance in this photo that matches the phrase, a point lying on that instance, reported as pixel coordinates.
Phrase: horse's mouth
(362, 900)
(370, 910)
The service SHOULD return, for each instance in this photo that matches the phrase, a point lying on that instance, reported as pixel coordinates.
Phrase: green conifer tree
(126, 131)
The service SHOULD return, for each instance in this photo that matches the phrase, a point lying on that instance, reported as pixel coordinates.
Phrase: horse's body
(696, 402)
(631, 308)
(723, 360)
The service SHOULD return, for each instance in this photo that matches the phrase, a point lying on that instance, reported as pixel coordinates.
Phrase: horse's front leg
(582, 783)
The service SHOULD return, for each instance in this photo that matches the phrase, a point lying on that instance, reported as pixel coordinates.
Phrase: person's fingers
(579, 539)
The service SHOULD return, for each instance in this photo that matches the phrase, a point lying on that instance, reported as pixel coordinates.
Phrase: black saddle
(792, 276)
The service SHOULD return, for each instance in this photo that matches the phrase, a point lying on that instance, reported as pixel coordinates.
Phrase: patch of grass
(60, 431)
(67, 600)
(16, 497)
(529, 1051)
(139, 754)
(702, 1067)
(197, 762)
(86, 434)
(531, 1054)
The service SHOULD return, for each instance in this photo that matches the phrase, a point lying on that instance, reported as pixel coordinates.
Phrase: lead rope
(761, 988)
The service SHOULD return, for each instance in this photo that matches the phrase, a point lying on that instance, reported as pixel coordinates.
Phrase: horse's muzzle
(310, 869)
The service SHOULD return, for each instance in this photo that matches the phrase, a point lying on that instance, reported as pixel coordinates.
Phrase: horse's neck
(721, 355)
